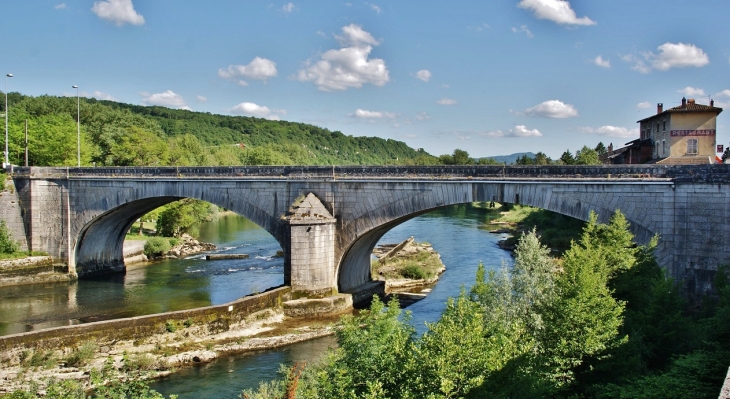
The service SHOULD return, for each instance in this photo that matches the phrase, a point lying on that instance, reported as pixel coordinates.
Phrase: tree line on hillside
(602, 322)
(117, 134)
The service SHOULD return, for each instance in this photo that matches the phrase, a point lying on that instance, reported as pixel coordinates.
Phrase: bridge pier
(310, 259)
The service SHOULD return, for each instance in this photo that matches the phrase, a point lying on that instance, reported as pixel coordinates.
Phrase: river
(460, 234)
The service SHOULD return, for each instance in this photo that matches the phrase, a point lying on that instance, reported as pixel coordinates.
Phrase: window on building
(691, 146)
(664, 147)
(664, 126)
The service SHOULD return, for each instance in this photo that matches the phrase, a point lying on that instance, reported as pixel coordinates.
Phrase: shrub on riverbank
(7, 244)
(555, 230)
(157, 246)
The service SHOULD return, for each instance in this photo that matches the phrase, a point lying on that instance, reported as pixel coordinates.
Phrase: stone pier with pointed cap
(310, 230)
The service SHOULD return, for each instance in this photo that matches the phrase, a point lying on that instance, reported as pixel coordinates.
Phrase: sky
(490, 77)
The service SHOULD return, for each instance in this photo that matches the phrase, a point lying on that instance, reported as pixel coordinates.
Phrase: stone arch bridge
(328, 219)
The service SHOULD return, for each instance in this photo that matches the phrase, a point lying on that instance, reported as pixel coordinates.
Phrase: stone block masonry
(328, 220)
(11, 214)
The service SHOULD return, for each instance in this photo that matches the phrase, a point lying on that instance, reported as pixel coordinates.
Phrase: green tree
(600, 149)
(184, 216)
(587, 156)
(132, 146)
(542, 159)
(567, 158)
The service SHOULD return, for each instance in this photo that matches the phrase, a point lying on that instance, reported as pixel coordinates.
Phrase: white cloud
(288, 7)
(611, 131)
(423, 116)
(643, 105)
(166, 99)
(601, 62)
(365, 114)
(348, 66)
(553, 109)
(558, 11)
(480, 28)
(692, 92)
(259, 68)
(259, 111)
(118, 11)
(61, 6)
(517, 131)
(523, 131)
(446, 101)
(375, 8)
(678, 55)
(671, 55)
(424, 75)
(201, 99)
(523, 29)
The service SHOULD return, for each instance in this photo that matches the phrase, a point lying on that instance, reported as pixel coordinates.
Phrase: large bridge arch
(404, 201)
(98, 228)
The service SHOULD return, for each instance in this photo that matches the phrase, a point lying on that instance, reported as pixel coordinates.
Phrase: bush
(7, 245)
(156, 246)
(81, 355)
(413, 272)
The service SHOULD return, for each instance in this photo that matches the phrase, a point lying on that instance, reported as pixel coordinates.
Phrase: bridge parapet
(678, 173)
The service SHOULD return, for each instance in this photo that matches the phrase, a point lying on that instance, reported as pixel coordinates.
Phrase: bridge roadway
(80, 215)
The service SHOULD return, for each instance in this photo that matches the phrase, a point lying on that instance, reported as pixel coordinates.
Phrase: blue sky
(490, 77)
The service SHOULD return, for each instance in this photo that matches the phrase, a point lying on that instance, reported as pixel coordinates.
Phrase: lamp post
(6, 161)
(78, 126)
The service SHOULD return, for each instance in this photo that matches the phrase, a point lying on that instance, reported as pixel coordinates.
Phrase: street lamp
(78, 126)
(7, 161)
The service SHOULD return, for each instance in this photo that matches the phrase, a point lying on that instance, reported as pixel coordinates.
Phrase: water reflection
(163, 286)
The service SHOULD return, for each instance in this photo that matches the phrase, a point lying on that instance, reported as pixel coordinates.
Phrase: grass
(555, 230)
(419, 266)
(21, 255)
(81, 355)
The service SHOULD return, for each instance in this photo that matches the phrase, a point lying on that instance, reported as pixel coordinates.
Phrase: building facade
(681, 135)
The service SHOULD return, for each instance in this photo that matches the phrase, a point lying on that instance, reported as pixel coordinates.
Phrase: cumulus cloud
(446, 101)
(558, 11)
(100, 95)
(517, 131)
(424, 75)
(166, 99)
(119, 12)
(553, 109)
(365, 114)
(671, 55)
(259, 111)
(201, 99)
(643, 105)
(349, 66)
(679, 55)
(601, 62)
(61, 6)
(692, 92)
(260, 69)
(523, 29)
(288, 7)
(611, 131)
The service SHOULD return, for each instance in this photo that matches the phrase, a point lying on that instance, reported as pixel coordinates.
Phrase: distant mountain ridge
(512, 158)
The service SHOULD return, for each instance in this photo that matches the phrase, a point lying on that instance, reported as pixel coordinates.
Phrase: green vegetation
(184, 216)
(556, 231)
(3, 177)
(157, 246)
(128, 135)
(7, 245)
(419, 265)
(604, 321)
(81, 355)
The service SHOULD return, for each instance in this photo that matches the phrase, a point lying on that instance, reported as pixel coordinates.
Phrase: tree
(567, 158)
(132, 146)
(587, 156)
(600, 149)
(542, 159)
(7, 244)
(184, 216)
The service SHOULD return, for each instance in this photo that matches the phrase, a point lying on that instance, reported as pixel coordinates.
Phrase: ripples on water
(460, 234)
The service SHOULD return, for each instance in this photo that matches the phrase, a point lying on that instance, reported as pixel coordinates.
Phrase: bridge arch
(408, 201)
(98, 229)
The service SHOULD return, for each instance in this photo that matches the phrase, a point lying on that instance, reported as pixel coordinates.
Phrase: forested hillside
(127, 135)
